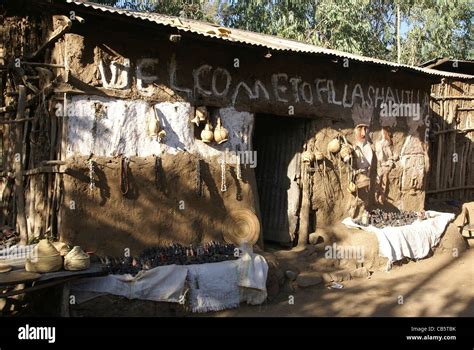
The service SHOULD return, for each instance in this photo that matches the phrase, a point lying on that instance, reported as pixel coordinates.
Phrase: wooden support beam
(58, 33)
(303, 232)
(451, 97)
(13, 121)
(53, 162)
(6, 109)
(18, 168)
(459, 131)
(459, 188)
(45, 170)
(41, 64)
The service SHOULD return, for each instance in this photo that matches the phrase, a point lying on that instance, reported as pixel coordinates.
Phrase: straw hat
(5, 268)
(243, 226)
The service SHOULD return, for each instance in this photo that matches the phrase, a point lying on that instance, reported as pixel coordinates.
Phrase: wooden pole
(18, 168)
(460, 188)
(305, 208)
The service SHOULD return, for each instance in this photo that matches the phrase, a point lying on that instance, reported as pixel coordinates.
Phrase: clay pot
(334, 145)
(221, 134)
(207, 135)
(346, 151)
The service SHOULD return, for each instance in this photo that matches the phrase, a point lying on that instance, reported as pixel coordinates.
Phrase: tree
(438, 29)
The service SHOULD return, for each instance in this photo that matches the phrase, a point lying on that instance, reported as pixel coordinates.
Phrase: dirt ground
(441, 285)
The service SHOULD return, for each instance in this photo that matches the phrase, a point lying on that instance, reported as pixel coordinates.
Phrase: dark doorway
(279, 143)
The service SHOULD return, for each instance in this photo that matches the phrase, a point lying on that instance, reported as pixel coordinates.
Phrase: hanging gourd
(153, 125)
(334, 145)
(207, 135)
(221, 134)
(200, 115)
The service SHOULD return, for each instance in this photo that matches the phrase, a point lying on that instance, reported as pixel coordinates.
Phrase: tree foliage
(430, 28)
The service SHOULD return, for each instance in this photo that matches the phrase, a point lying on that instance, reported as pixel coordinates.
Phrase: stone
(327, 278)
(342, 275)
(309, 250)
(314, 238)
(320, 236)
(291, 275)
(308, 279)
(361, 272)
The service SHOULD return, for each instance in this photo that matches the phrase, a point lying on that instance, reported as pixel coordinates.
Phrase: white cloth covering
(164, 283)
(253, 270)
(213, 286)
(412, 241)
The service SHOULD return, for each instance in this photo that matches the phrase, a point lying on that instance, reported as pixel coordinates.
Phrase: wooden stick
(59, 32)
(451, 97)
(44, 170)
(16, 121)
(41, 64)
(53, 162)
(459, 188)
(18, 169)
(459, 131)
(6, 109)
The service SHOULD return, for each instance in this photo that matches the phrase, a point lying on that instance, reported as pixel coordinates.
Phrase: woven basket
(44, 264)
(44, 258)
(62, 248)
(76, 260)
(243, 227)
(5, 268)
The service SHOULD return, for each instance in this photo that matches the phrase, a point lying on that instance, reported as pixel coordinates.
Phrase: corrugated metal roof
(255, 39)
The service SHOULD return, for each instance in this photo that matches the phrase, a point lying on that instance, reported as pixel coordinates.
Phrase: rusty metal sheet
(255, 39)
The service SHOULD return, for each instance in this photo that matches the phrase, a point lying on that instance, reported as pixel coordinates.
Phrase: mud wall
(331, 197)
(115, 79)
(162, 205)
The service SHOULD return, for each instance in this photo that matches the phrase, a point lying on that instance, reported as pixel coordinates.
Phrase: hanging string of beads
(239, 168)
(158, 170)
(198, 178)
(124, 185)
(223, 184)
(91, 174)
